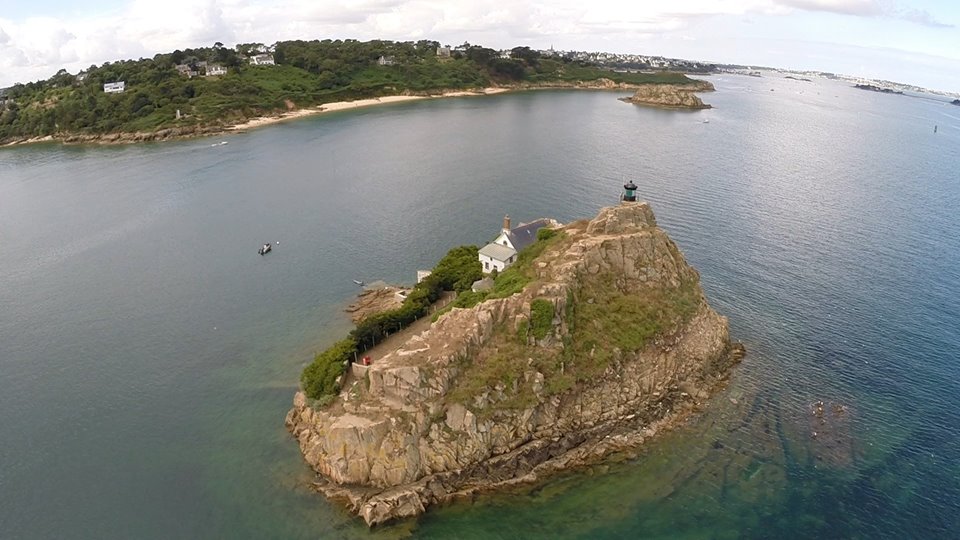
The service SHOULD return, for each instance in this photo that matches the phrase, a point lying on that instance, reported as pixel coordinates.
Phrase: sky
(909, 41)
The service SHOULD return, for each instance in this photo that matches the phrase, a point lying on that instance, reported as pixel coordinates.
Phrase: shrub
(319, 379)
(541, 318)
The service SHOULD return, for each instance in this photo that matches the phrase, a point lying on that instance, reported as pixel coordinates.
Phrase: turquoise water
(148, 354)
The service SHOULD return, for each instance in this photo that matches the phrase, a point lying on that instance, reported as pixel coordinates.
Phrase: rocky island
(874, 88)
(611, 341)
(673, 96)
(955, 102)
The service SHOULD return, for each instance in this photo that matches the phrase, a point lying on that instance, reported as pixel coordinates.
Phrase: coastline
(171, 134)
(193, 132)
(335, 106)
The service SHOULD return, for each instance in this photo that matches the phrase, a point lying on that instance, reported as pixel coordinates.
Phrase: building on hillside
(443, 52)
(423, 274)
(385, 60)
(502, 252)
(505, 54)
(214, 70)
(262, 60)
(186, 71)
(114, 87)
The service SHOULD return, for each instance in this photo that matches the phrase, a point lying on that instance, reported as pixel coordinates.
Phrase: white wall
(489, 263)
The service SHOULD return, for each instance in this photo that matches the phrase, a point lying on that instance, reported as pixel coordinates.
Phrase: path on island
(395, 340)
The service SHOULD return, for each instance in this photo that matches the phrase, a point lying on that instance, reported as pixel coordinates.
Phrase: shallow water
(148, 354)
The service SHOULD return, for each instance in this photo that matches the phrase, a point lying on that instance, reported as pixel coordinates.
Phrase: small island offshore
(595, 338)
(211, 90)
(671, 96)
(875, 88)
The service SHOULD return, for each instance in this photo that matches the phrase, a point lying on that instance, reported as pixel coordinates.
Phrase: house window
(486, 265)
(504, 242)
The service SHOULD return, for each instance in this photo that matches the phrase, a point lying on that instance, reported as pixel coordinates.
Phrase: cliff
(612, 341)
(671, 95)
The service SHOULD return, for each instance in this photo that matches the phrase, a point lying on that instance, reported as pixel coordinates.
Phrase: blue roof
(525, 235)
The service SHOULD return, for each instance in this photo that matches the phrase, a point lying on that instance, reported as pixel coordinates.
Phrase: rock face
(435, 419)
(671, 95)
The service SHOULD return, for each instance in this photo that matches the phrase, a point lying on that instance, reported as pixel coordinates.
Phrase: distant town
(644, 62)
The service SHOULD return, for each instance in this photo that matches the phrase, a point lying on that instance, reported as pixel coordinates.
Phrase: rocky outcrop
(674, 96)
(477, 402)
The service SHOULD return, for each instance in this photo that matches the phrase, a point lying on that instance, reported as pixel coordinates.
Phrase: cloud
(36, 48)
(918, 16)
(867, 8)
(844, 7)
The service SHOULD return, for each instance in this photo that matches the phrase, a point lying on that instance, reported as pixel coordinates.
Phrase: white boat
(264, 249)
(358, 282)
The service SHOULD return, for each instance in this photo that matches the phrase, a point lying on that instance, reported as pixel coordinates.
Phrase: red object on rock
(366, 360)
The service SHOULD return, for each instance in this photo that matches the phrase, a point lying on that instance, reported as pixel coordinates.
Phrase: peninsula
(595, 339)
(214, 89)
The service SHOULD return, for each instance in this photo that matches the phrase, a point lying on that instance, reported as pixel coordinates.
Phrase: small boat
(358, 282)
(264, 249)
(706, 120)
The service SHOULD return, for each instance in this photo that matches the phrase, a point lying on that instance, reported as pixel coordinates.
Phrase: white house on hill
(114, 87)
(262, 60)
(502, 252)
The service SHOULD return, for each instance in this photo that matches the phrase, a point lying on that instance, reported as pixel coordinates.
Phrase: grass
(613, 321)
(606, 319)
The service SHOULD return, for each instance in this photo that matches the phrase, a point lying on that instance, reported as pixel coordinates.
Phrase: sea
(148, 354)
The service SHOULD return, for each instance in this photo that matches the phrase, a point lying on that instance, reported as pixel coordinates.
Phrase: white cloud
(845, 7)
(36, 48)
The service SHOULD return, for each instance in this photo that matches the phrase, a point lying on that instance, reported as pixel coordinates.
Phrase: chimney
(506, 222)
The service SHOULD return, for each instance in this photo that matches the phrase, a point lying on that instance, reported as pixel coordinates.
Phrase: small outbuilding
(482, 285)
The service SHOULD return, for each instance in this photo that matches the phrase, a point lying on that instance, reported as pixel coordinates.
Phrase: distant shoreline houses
(502, 252)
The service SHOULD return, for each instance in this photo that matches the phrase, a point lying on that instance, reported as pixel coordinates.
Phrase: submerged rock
(480, 400)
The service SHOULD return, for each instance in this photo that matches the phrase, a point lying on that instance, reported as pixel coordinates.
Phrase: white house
(262, 60)
(214, 70)
(385, 60)
(114, 87)
(502, 252)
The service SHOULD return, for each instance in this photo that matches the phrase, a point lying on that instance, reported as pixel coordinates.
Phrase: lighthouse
(629, 192)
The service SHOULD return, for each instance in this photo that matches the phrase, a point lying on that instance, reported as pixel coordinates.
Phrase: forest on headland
(174, 90)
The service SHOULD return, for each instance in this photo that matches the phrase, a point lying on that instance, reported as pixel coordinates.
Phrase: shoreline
(336, 106)
(172, 134)
(194, 132)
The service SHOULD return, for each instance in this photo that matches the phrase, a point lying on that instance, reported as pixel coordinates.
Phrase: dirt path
(395, 340)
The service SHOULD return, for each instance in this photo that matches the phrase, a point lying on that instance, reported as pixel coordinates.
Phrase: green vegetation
(513, 279)
(604, 320)
(541, 318)
(456, 271)
(319, 379)
(306, 73)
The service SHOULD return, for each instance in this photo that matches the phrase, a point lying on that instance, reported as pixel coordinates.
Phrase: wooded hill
(306, 73)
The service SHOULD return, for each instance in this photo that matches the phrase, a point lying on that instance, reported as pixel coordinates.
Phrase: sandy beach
(345, 105)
